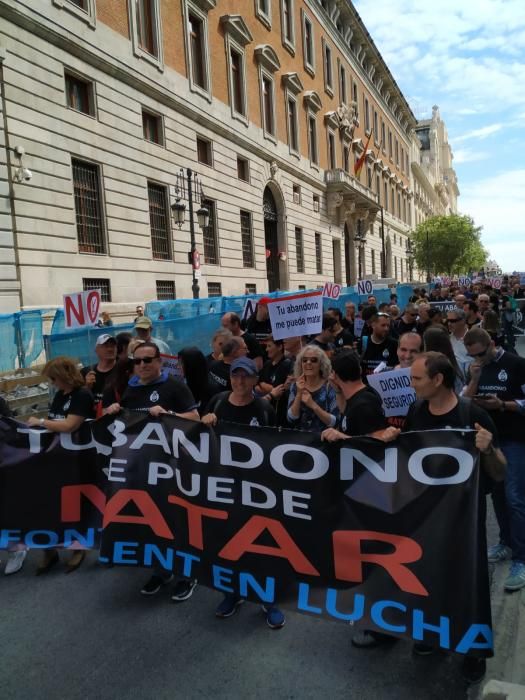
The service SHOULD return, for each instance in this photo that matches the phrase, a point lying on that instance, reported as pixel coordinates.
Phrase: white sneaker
(15, 561)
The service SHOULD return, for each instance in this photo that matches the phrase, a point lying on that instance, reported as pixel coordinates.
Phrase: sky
(468, 58)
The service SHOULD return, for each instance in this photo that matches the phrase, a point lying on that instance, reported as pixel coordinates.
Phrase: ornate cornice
(237, 28)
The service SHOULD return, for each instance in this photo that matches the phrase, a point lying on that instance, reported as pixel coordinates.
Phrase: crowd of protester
(464, 369)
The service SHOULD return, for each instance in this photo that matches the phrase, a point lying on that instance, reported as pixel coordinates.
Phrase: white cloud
(481, 133)
(465, 155)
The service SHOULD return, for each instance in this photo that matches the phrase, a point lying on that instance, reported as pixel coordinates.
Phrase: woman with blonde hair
(312, 404)
(71, 406)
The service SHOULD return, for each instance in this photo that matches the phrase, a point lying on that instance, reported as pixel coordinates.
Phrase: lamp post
(410, 257)
(360, 240)
(383, 247)
(190, 180)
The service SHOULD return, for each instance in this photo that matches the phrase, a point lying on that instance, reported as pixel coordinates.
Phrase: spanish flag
(361, 160)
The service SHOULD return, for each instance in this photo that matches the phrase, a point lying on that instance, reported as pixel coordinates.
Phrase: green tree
(448, 245)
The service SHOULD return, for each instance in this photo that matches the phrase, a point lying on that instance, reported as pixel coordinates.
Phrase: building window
(399, 206)
(80, 94)
(88, 207)
(197, 51)
(376, 126)
(318, 254)
(390, 151)
(293, 125)
(209, 235)
(299, 252)
(395, 267)
(331, 151)
(237, 82)
(247, 239)
(327, 65)
(383, 136)
(378, 188)
(152, 127)
(296, 191)
(165, 290)
(346, 158)
(204, 152)
(250, 288)
(288, 26)
(373, 254)
(214, 289)
(315, 202)
(355, 97)
(406, 159)
(367, 114)
(263, 10)
(392, 201)
(159, 221)
(342, 84)
(83, 9)
(385, 196)
(369, 177)
(146, 30)
(312, 140)
(397, 153)
(89, 283)
(268, 104)
(308, 45)
(243, 169)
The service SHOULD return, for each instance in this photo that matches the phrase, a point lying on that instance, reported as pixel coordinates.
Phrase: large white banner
(299, 314)
(395, 391)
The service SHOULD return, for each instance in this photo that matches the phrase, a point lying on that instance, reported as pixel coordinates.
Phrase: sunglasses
(453, 320)
(478, 354)
(313, 360)
(146, 360)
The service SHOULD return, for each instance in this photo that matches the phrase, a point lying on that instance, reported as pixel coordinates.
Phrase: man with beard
(379, 347)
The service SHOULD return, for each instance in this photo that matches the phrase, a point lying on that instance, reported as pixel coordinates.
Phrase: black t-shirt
(505, 377)
(276, 374)
(420, 418)
(326, 347)
(344, 337)
(401, 327)
(375, 353)
(260, 330)
(220, 374)
(168, 392)
(210, 360)
(363, 413)
(101, 382)
(79, 402)
(258, 412)
(254, 349)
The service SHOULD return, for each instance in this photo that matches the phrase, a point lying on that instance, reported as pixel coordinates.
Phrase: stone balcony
(348, 199)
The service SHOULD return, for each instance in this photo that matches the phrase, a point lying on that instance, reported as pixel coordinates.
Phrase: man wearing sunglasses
(457, 327)
(407, 323)
(151, 389)
(497, 384)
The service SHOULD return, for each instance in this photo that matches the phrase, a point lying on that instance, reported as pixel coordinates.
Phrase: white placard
(331, 290)
(395, 391)
(464, 281)
(494, 282)
(170, 363)
(359, 324)
(81, 309)
(300, 314)
(365, 287)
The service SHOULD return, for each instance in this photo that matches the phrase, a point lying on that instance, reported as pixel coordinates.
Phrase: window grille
(159, 222)
(88, 207)
(209, 235)
(95, 283)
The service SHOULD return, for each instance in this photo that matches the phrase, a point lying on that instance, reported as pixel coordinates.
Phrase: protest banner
(444, 306)
(298, 314)
(464, 281)
(170, 363)
(81, 309)
(365, 287)
(357, 531)
(395, 391)
(249, 308)
(331, 290)
(359, 324)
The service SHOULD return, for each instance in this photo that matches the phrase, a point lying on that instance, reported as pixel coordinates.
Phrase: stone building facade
(106, 104)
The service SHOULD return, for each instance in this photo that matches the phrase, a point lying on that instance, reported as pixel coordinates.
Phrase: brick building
(270, 102)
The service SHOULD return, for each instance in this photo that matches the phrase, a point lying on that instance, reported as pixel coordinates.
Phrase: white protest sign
(170, 363)
(300, 314)
(359, 324)
(395, 391)
(464, 281)
(249, 309)
(494, 282)
(365, 287)
(81, 309)
(331, 290)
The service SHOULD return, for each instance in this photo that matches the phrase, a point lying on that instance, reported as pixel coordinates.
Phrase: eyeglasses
(146, 360)
(313, 360)
(478, 354)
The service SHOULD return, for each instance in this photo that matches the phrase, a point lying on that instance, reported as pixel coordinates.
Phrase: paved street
(91, 635)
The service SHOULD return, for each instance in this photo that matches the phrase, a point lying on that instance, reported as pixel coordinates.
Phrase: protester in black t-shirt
(259, 325)
(221, 336)
(240, 406)
(98, 376)
(152, 390)
(195, 371)
(232, 322)
(343, 337)
(326, 338)
(72, 404)
(275, 378)
(497, 384)
(360, 406)
(379, 347)
(407, 322)
(349, 319)
(219, 371)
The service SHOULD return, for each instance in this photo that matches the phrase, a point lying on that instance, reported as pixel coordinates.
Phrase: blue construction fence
(21, 339)
(184, 322)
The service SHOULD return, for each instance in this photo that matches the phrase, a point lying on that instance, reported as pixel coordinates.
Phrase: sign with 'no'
(365, 287)
(331, 290)
(81, 308)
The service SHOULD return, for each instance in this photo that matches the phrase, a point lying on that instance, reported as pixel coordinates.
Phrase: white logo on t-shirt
(154, 396)
(502, 376)
(66, 406)
(343, 424)
(386, 354)
(254, 421)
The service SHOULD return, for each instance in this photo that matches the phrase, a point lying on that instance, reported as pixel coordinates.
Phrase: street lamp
(190, 180)
(410, 256)
(360, 240)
